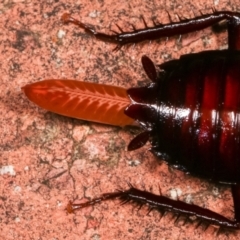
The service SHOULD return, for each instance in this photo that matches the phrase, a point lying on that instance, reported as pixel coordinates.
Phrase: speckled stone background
(47, 160)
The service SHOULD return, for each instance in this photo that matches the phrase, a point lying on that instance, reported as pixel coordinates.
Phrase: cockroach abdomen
(197, 127)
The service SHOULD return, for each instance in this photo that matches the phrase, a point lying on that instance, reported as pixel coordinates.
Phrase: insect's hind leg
(163, 204)
(236, 201)
(167, 30)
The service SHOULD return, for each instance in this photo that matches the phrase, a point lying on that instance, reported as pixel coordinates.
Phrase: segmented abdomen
(197, 115)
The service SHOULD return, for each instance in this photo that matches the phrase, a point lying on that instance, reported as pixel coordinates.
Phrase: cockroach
(189, 112)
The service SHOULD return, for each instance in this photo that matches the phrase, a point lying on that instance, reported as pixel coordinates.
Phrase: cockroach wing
(82, 100)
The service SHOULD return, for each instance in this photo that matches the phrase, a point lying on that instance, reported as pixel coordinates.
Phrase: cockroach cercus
(190, 112)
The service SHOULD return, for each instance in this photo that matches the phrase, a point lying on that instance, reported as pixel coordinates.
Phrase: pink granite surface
(47, 160)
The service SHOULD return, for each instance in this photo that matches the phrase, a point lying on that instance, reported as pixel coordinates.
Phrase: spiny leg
(167, 30)
(236, 201)
(161, 203)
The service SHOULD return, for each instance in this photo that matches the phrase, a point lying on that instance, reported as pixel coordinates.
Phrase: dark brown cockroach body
(192, 117)
(190, 112)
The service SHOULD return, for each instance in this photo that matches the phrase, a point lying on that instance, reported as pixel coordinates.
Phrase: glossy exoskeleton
(190, 112)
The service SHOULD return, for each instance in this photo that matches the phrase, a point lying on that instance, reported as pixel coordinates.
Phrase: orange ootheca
(189, 112)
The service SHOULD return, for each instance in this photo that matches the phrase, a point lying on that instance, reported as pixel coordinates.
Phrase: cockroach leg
(162, 204)
(66, 18)
(236, 201)
(172, 29)
(72, 207)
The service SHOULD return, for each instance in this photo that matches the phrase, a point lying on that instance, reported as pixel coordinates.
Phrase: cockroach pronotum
(190, 112)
